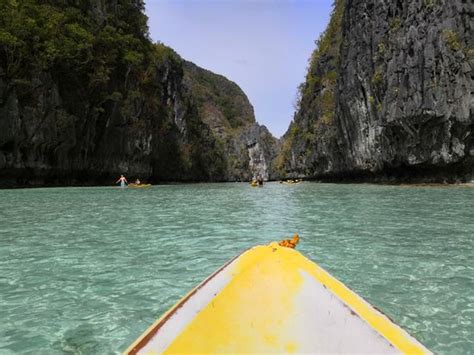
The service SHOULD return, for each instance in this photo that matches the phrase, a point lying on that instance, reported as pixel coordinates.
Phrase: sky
(262, 45)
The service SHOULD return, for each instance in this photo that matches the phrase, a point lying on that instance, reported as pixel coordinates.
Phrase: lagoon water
(87, 270)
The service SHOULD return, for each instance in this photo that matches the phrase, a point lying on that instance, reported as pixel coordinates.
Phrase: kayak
(290, 182)
(273, 299)
(139, 186)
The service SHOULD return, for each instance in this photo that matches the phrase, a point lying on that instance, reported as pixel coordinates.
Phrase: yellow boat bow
(272, 299)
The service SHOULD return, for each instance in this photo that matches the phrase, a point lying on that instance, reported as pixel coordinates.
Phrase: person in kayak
(137, 182)
(122, 181)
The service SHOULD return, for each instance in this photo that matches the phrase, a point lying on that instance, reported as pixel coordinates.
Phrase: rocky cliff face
(248, 148)
(85, 96)
(388, 95)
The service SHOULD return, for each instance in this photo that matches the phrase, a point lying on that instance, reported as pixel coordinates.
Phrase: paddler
(122, 181)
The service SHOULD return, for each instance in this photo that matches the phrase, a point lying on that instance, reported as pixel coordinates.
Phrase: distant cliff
(226, 110)
(86, 96)
(388, 95)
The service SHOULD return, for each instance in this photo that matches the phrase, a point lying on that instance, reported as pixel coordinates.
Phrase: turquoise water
(87, 270)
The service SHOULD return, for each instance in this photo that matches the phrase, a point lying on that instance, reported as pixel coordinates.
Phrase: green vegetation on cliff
(325, 55)
(74, 44)
(247, 147)
(316, 103)
(85, 95)
(213, 89)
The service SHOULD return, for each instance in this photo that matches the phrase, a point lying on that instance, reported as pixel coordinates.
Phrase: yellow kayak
(271, 299)
(139, 186)
(254, 183)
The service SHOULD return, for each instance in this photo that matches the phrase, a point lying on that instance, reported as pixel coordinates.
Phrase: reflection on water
(86, 270)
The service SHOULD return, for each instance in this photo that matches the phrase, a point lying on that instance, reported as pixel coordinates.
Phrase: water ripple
(86, 270)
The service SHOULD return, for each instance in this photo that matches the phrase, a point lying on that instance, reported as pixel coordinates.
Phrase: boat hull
(272, 299)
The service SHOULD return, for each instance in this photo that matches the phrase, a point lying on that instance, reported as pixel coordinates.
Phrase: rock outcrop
(248, 147)
(388, 95)
(85, 96)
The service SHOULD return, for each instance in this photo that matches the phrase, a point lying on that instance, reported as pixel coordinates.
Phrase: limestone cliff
(248, 147)
(388, 95)
(85, 96)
